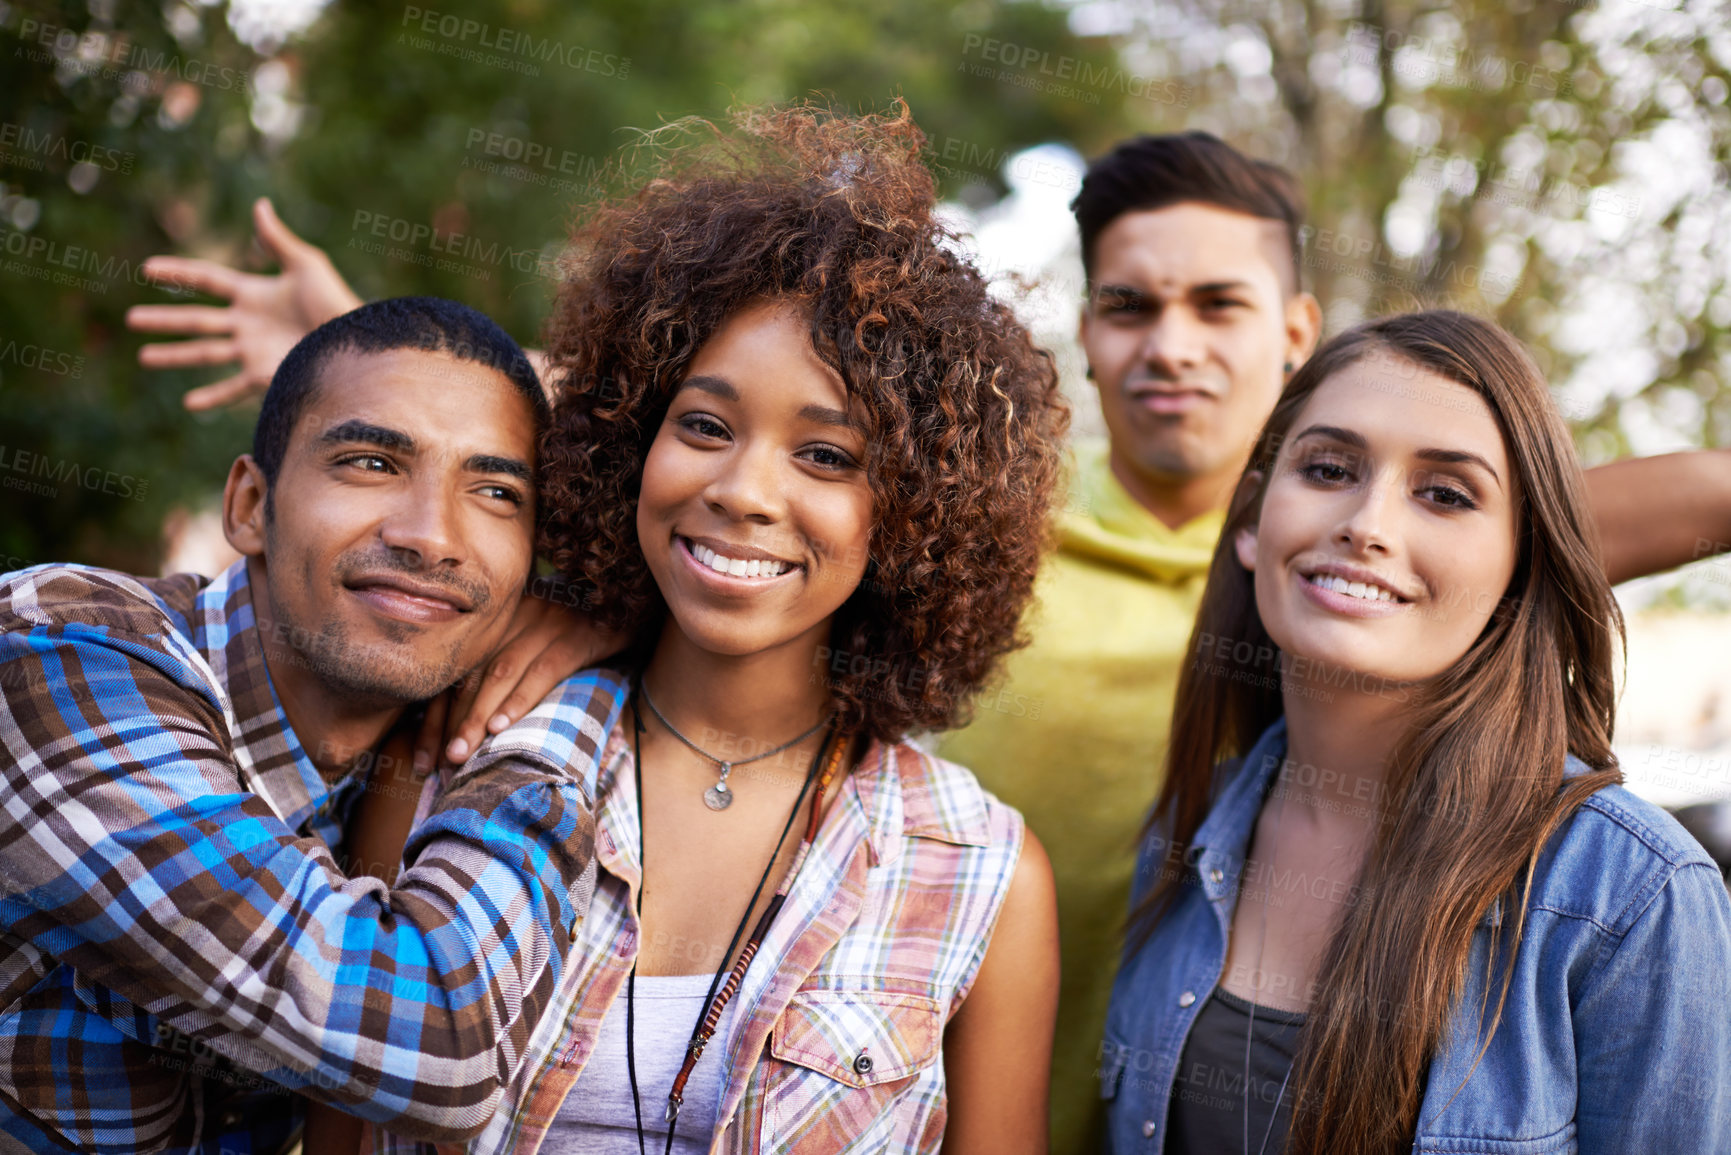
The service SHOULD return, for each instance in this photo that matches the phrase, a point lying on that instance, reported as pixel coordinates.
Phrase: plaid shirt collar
(225, 631)
(888, 809)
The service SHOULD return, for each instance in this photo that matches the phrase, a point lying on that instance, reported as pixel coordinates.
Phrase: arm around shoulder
(998, 1048)
(128, 777)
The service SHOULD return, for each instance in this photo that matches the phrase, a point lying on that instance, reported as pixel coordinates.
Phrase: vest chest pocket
(842, 1066)
(860, 1038)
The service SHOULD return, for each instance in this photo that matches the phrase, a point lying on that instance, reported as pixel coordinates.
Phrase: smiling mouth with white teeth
(1339, 585)
(736, 567)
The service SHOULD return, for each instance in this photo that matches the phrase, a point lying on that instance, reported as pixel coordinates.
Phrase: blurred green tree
(429, 150)
(117, 129)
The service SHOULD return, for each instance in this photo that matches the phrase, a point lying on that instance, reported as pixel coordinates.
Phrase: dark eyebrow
(365, 433)
(724, 389)
(1442, 456)
(509, 466)
(824, 415)
(1118, 294)
(1335, 433)
(1221, 287)
(714, 386)
(1202, 290)
(1459, 457)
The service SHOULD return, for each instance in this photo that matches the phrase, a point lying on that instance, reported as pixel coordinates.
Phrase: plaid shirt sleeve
(133, 851)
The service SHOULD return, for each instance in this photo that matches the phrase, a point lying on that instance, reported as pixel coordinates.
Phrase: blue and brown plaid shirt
(178, 949)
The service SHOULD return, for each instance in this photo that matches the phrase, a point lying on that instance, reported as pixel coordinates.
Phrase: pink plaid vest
(883, 932)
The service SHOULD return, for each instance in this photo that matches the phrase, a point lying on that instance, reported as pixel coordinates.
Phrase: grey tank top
(597, 1116)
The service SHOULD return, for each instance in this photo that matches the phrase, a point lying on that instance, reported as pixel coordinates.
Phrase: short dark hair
(430, 323)
(1152, 172)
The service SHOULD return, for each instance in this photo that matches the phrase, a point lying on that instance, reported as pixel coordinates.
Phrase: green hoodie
(1075, 735)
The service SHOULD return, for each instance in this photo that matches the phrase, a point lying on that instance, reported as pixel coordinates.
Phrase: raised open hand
(265, 315)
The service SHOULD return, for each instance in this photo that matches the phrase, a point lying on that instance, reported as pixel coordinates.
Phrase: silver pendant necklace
(720, 796)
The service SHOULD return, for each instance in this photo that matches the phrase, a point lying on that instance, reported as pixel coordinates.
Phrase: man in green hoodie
(1195, 317)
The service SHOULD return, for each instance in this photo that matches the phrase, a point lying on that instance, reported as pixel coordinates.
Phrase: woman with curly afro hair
(803, 462)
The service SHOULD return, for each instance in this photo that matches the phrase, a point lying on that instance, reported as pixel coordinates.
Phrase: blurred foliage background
(1558, 165)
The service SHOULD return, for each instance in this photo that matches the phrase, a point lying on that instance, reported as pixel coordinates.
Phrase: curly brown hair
(962, 416)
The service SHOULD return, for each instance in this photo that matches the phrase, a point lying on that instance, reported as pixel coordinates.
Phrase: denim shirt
(1616, 1036)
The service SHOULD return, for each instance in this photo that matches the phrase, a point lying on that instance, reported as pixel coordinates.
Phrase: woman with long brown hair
(1391, 895)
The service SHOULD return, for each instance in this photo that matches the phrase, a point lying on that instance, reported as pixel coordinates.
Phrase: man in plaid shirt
(179, 950)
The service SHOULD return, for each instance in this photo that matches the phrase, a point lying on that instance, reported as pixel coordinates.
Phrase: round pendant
(718, 797)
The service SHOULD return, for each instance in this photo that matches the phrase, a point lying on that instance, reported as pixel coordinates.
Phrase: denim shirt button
(1215, 875)
(1148, 1129)
(1184, 1000)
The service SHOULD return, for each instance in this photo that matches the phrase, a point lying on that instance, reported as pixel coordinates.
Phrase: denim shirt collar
(1243, 786)
(1223, 839)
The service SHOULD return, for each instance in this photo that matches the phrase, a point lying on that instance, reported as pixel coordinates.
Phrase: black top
(1207, 1112)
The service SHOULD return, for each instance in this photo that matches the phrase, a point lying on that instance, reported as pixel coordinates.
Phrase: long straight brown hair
(1475, 786)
